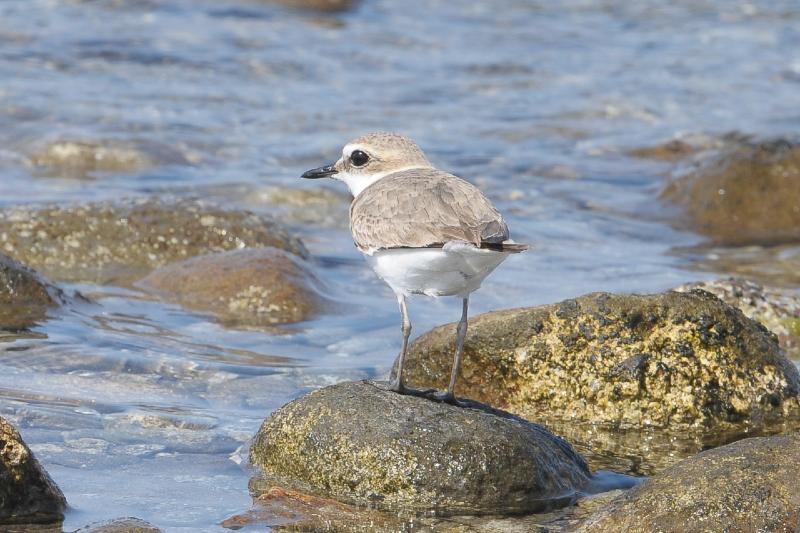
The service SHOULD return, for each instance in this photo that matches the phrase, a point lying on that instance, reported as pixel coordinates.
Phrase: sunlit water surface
(138, 408)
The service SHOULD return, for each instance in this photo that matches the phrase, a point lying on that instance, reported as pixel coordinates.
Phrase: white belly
(456, 269)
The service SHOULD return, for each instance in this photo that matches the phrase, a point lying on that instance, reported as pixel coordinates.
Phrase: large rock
(748, 194)
(121, 242)
(683, 365)
(751, 485)
(777, 309)
(25, 296)
(363, 444)
(253, 287)
(120, 525)
(87, 157)
(27, 494)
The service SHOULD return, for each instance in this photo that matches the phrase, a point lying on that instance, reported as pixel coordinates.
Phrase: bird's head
(370, 157)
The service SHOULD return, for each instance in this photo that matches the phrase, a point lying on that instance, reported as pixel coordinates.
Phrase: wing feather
(423, 207)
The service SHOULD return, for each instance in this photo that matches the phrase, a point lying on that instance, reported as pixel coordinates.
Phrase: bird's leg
(461, 334)
(397, 383)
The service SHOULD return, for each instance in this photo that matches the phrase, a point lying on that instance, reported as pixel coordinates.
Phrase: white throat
(358, 182)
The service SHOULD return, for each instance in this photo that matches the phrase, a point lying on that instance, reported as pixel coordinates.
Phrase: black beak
(321, 172)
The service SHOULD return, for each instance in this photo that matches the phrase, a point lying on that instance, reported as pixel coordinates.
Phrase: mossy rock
(255, 287)
(120, 525)
(81, 158)
(750, 485)
(25, 296)
(748, 194)
(685, 366)
(777, 309)
(361, 443)
(27, 494)
(120, 242)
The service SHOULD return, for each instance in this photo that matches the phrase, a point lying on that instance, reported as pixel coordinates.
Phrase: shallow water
(138, 408)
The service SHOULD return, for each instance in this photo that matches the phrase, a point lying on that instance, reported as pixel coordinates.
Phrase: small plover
(422, 230)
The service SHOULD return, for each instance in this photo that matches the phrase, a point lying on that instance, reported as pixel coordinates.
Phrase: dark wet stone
(27, 494)
(25, 296)
(123, 241)
(320, 5)
(751, 485)
(254, 287)
(673, 150)
(120, 525)
(602, 365)
(777, 309)
(360, 443)
(84, 158)
(747, 194)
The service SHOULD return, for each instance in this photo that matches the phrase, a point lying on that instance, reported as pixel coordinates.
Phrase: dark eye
(359, 158)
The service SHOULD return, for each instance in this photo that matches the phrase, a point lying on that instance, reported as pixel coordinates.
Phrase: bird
(423, 231)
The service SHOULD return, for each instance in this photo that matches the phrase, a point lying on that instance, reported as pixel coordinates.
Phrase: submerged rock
(320, 5)
(81, 158)
(252, 287)
(25, 296)
(751, 485)
(684, 362)
(777, 309)
(748, 194)
(120, 525)
(360, 443)
(27, 494)
(121, 242)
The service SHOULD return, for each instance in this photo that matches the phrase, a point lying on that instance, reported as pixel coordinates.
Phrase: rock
(777, 309)
(120, 525)
(83, 158)
(252, 287)
(674, 150)
(25, 296)
(362, 444)
(118, 243)
(319, 206)
(748, 194)
(773, 265)
(683, 366)
(320, 5)
(751, 485)
(27, 494)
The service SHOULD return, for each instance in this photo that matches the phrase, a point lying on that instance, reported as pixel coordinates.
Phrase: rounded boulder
(361, 443)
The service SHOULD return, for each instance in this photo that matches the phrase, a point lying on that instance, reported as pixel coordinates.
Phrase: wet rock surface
(777, 309)
(120, 525)
(360, 443)
(600, 365)
(25, 296)
(117, 243)
(253, 287)
(83, 158)
(27, 494)
(750, 485)
(320, 5)
(747, 194)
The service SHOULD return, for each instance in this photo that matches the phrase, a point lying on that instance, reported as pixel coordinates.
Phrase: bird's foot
(398, 387)
(443, 397)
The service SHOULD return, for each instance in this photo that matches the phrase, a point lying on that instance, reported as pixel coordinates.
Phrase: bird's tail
(508, 247)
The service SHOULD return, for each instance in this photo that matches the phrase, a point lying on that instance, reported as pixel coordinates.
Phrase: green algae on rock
(25, 297)
(664, 360)
(361, 443)
(120, 525)
(84, 157)
(254, 287)
(121, 242)
(750, 485)
(748, 194)
(777, 309)
(27, 494)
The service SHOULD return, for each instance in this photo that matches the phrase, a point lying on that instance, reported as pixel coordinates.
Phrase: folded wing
(424, 208)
